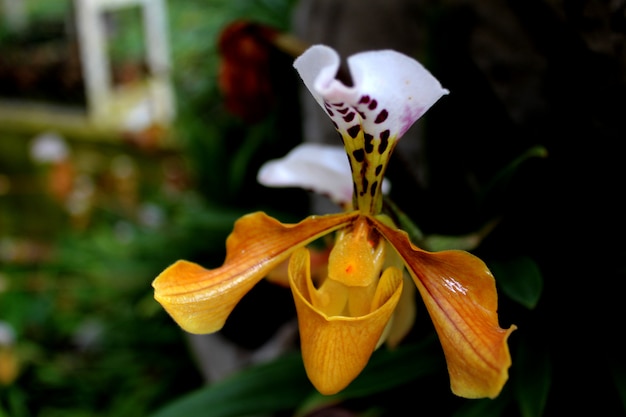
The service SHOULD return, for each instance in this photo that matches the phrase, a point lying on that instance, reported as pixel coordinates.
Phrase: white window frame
(102, 99)
(14, 12)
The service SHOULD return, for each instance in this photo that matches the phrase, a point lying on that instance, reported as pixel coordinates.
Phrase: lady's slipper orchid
(346, 316)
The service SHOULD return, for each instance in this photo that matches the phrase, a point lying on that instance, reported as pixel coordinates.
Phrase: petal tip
(189, 304)
(492, 380)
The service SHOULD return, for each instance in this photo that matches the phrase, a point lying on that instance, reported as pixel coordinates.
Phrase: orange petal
(460, 295)
(336, 349)
(200, 300)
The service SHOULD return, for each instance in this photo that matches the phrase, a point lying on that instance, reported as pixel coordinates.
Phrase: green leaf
(619, 376)
(16, 400)
(386, 370)
(267, 388)
(435, 242)
(533, 372)
(520, 279)
(466, 242)
(283, 385)
(503, 178)
(484, 407)
(403, 221)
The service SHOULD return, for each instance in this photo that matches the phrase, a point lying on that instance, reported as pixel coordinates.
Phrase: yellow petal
(406, 311)
(200, 300)
(404, 315)
(331, 297)
(336, 349)
(460, 294)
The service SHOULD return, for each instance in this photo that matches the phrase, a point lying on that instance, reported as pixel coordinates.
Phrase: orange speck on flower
(9, 366)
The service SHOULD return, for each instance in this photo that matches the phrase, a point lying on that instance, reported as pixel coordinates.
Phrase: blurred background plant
(520, 165)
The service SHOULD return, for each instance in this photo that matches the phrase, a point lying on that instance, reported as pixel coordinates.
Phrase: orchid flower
(346, 316)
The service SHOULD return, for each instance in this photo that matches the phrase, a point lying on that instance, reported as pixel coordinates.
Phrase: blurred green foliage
(89, 338)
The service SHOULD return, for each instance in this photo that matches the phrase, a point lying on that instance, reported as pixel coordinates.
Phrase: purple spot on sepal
(353, 131)
(382, 116)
